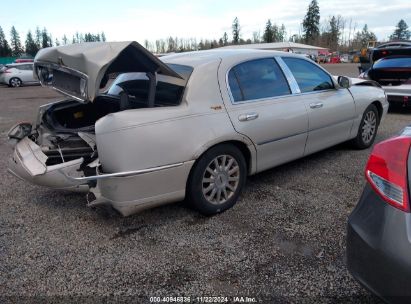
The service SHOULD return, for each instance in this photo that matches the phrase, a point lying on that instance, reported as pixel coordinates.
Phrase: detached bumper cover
(29, 163)
(379, 248)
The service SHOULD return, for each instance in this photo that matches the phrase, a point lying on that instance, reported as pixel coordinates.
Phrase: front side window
(310, 78)
(256, 79)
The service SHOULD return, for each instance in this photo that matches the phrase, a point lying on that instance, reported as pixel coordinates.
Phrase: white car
(191, 125)
(17, 74)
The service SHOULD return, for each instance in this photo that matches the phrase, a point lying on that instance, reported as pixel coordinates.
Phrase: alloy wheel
(220, 179)
(369, 126)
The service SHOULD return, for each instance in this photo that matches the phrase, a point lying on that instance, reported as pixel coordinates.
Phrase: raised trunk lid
(78, 70)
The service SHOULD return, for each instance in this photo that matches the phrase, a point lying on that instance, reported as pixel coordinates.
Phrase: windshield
(169, 91)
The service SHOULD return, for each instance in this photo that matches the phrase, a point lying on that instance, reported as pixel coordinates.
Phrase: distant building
(297, 48)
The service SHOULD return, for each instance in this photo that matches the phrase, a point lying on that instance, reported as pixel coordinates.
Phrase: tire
(225, 181)
(367, 129)
(15, 82)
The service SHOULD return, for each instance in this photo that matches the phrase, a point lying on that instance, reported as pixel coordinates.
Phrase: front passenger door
(331, 110)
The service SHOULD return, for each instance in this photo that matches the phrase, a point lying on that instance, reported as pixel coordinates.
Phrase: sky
(206, 19)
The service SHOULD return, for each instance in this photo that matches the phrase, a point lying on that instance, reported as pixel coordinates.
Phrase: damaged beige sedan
(190, 125)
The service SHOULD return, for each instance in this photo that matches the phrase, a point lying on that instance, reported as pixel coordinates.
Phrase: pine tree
(64, 39)
(45, 39)
(38, 38)
(236, 31)
(16, 47)
(31, 47)
(334, 33)
(268, 32)
(311, 22)
(225, 39)
(103, 37)
(5, 50)
(401, 31)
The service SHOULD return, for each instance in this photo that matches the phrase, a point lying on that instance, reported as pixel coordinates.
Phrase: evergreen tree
(401, 31)
(64, 39)
(45, 39)
(31, 46)
(225, 39)
(16, 47)
(5, 50)
(103, 37)
(236, 31)
(311, 22)
(334, 33)
(38, 38)
(268, 32)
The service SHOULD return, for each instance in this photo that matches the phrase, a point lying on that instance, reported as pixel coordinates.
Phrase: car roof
(196, 58)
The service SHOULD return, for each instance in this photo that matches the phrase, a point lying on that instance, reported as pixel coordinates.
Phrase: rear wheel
(15, 82)
(217, 179)
(368, 128)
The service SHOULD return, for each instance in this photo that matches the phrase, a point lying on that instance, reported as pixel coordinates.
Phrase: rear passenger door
(261, 106)
(331, 110)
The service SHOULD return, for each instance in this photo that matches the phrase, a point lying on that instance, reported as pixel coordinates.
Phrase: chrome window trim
(292, 82)
(233, 102)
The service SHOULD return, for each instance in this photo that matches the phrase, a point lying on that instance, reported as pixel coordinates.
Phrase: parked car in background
(191, 125)
(379, 228)
(345, 58)
(23, 60)
(322, 58)
(17, 74)
(392, 69)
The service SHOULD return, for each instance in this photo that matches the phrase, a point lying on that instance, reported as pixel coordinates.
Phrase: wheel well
(241, 146)
(244, 150)
(379, 108)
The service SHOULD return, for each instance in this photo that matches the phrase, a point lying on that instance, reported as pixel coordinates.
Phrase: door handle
(248, 116)
(316, 105)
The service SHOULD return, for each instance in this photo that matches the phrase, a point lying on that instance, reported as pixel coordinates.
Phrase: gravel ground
(284, 240)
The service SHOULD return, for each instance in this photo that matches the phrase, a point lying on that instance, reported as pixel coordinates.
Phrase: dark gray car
(379, 228)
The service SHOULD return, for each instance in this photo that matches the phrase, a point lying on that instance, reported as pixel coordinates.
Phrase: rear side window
(256, 79)
(309, 77)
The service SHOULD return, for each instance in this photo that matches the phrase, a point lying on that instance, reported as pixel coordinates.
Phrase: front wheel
(217, 179)
(15, 82)
(368, 128)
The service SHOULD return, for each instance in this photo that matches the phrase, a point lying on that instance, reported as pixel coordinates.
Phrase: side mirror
(344, 82)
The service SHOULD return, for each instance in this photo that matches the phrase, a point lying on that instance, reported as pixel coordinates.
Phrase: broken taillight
(386, 171)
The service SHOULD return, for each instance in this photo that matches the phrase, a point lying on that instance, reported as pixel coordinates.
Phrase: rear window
(400, 62)
(169, 91)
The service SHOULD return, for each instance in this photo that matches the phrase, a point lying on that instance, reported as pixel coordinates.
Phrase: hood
(79, 70)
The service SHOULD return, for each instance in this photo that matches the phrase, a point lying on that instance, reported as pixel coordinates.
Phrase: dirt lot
(284, 240)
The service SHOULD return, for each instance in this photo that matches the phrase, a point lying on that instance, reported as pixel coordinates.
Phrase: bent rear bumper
(127, 192)
(29, 163)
